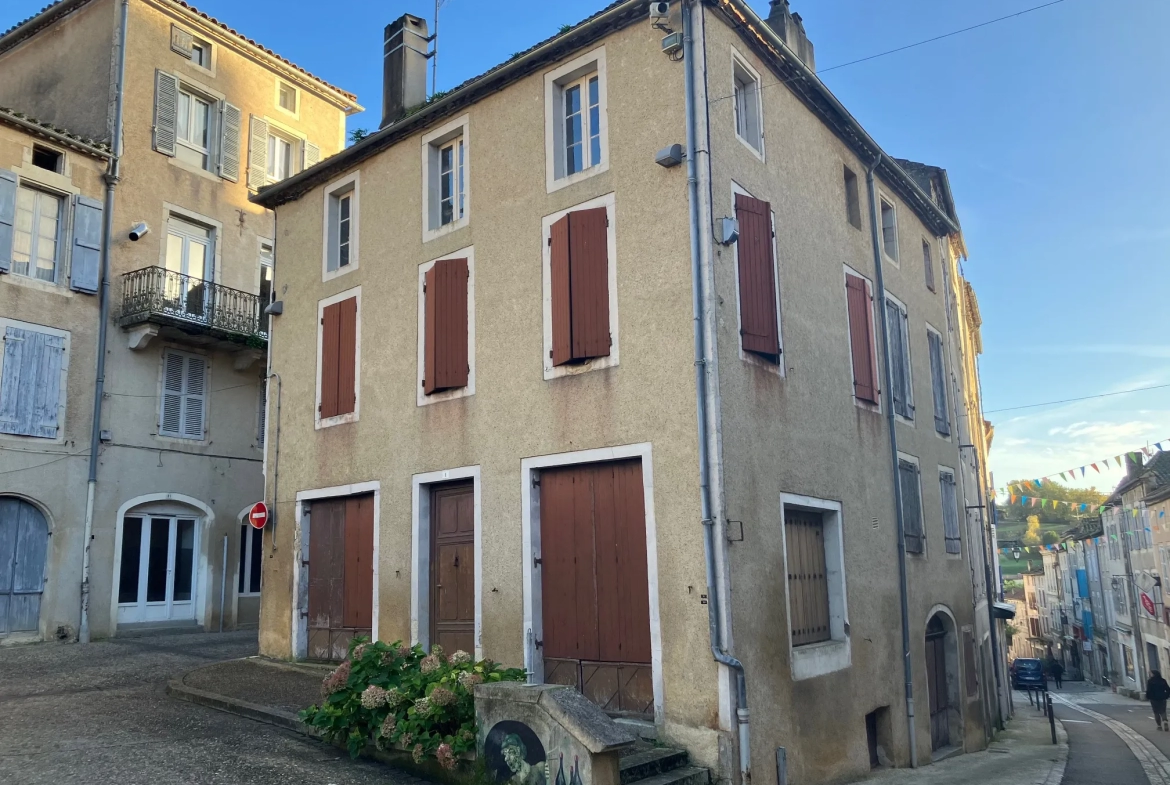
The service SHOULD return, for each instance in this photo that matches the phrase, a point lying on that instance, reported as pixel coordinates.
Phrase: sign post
(258, 515)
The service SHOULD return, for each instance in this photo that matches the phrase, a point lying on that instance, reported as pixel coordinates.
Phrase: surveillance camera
(659, 10)
(139, 231)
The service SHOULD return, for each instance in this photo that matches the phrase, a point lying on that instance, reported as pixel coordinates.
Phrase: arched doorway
(157, 575)
(942, 680)
(24, 542)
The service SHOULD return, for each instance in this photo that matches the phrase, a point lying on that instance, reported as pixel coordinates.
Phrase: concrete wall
(802, 433)
(52, 473)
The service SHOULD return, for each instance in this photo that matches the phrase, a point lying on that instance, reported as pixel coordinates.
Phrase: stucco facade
(209, 469)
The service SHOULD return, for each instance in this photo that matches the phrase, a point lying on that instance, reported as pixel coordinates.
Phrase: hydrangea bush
(396, 695)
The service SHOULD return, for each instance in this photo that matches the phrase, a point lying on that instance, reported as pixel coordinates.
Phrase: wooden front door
(341, 574)
(24, 542)
(936, 680)
(595, 593)
(453, 567)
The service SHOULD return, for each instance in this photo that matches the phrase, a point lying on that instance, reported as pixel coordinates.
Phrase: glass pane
(343, 256)
(272, 156)
(184, 560)
(344, 232)
(174, 253)
(156, 559)
(461, 183)
(257, 558)
(22, 241)
(244, 539)
(285, 158)
(196, 260)
(184, 116)
(345, 207)
(131, 554)
(199, 124)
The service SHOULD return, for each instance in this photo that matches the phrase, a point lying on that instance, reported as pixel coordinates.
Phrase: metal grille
(155, 292)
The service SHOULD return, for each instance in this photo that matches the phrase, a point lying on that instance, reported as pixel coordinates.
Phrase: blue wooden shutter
(171, 418)
(897, 358)
(950, 511)
(911, 507)
(939, 380)
(229, 147)
(166, 109)
(30, 383)
(7, 217)
(85, 275)
(258, 153)
(194, 397)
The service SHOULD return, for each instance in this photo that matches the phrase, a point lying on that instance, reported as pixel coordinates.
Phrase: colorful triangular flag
(1095, 468)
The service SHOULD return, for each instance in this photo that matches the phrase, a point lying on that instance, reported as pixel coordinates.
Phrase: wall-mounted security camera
(726, 231)
(139, 231)
(659, 11)
(671, 156)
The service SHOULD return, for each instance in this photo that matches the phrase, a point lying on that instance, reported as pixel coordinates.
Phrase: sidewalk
(1023, 754)
(254, 687)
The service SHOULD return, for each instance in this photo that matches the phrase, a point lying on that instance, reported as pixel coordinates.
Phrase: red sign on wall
(1148, 604)
(258, 515)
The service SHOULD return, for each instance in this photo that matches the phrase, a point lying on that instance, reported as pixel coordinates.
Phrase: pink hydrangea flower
(417, 753)
(374, 697)
(445, 756)
(441, 696)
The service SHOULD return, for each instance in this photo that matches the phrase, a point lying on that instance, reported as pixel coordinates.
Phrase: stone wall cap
(585, 720)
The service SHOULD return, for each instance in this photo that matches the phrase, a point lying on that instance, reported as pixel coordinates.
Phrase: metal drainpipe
(984, 541)
(907, 664)
(698, 299)
(111, 177)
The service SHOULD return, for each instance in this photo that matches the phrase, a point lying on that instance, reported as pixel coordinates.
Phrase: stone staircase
(646, 763)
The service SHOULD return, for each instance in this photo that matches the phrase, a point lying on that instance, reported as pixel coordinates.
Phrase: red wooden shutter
(861, 339)
(347, 356)
(330, 358)
(359, 561)
(759, 331)
(562, 330)
(445, 342)
(589, 283)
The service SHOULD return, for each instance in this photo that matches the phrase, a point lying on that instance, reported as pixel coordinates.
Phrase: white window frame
(64, 222)
(597, 363)
(742, 71)
(296, 110)
(211, 151)
(214, 264)
(350, 182)
(296, 152)
(320, 422)
(874, 333)
(432, 144)
(422, 399)
(63, 389)
(162, 385)
(907, 345)
(246, 546)
(209, 52)
(926, 539)
(555, 82)
(893, 205)
(818, 659)
(751, 358)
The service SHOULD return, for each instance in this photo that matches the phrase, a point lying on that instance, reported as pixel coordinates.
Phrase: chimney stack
(1133, 464)
(790, 28)
(404, 67)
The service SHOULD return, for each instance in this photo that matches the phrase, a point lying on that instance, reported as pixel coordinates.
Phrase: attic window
(47, 158)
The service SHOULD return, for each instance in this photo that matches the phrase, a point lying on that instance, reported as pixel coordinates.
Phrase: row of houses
(634, 361)
(1095, 602)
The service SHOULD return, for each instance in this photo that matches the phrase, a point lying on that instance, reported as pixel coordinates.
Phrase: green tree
(1049, 537)
(1049, 490)
(1032, 535)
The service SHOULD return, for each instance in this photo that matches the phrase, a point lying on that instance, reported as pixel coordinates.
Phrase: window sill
(819, 659)
(868, 406)
(445, 229)
(446, 395)
(564, 181)
(37, 284)
(329, 275)
(758, 152)
(751, 358)
(887, 258)
(907, 421)
(176, 440)
(596, 364)
(193, 169)
(340, 419)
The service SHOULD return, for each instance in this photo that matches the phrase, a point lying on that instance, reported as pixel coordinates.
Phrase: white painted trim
(200, 597)
(432, 142)
(554, 127)
(189, 216)
(530, 537)
(327, 422)
(894, 260)
(421, 398)
(296, 111)
(741, 62)
(420, 556)
(873, 333)
(342, 184)
(299, 639)
(818, 659)
(750, 357)
(556, 371)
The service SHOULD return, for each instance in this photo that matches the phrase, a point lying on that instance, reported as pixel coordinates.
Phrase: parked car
(1028, 674)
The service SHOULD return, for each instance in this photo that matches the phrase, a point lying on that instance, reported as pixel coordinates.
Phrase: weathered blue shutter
(7, 217)
(171, 417)
(30, 384)
(229, 148)
(938, 379)
(897, 358)
(911, 507)
(312, 154)
(258, 153)
(950, 510)
(194, 397)
(166, 110)
(87, 245)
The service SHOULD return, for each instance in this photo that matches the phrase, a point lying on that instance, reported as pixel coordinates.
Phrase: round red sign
(1148, 604)
(258, 515)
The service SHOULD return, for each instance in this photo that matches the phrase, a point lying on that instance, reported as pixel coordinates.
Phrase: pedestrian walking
(1055, 670)
(1157, 692)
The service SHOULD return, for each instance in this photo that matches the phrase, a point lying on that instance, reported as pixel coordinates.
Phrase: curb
(252, 711)
(1056, 774)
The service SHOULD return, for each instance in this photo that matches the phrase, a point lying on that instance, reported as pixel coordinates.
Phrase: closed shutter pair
(184, 396)
(759, 324)
(339, 359)
(445, 362)
(30, 388)
(911, 507)
(579, 278)
(85, 269)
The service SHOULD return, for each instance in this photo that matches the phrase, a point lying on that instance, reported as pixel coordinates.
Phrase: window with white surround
(814, 573)
(33, 368)
(446, 328)
(898, 324)
(575, 120)
(201, 53)
(747, 105)
(287, 96)
(190, 262)
(950, 511)
(276, 151)
(193, 128)
(889, 230)
(281, 151)
(196, 126)
(910, 483)
(445, 178)
(251, 561)
(267, 295)
(341, 226)
(184, 395)
(36, 235)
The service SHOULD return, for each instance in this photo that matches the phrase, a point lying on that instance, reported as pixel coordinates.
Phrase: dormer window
(47, 158)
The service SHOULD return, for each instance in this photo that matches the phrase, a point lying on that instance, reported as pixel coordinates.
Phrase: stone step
(643, 729)
(647, 761)
(687, 775)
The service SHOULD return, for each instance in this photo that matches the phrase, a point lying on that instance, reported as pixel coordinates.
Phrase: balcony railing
(155, 294)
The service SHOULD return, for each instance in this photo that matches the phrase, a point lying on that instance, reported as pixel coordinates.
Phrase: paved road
(99, 714)
(1112, 740)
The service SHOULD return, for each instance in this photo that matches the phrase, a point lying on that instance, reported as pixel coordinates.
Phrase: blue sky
(1051, 126)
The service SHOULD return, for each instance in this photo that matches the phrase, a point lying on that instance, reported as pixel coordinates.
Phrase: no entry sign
(258, 515)
(1148, 604)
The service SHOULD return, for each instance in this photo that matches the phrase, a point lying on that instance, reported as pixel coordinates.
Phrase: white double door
(157, 580)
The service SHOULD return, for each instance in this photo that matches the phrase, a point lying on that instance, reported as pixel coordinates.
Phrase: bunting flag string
(1030, 490)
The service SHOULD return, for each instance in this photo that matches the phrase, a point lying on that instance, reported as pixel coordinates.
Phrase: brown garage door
(595, 594)
(453, 567)
(341, 574)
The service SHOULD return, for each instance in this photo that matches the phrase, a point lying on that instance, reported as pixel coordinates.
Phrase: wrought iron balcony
(161, 296)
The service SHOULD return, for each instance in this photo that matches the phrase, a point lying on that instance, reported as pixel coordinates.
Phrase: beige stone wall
(803, 434)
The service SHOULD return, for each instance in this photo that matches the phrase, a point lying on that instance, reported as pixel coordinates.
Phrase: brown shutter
(445, 343)
(861, 339)
(808, 587)
(347, 356)
(589, 283)
(359, 561)
(330, 359)
(562, 346)
(759, 331)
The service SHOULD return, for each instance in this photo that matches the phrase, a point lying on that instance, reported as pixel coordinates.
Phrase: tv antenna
(435, 53)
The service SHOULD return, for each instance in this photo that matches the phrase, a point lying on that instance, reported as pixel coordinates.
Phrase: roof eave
(54, 135)
(31, 26)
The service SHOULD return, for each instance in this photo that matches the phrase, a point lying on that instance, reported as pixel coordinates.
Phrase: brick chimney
(404, 67)
(790, 28)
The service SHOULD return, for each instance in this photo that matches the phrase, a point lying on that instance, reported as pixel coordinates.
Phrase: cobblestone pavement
(99, 714)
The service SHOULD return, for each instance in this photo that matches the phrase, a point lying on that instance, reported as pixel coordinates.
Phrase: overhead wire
(1073, 400)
